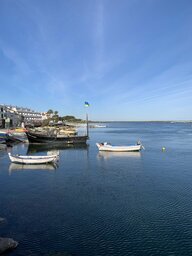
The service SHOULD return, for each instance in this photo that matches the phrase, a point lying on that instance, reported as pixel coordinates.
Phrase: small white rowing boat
(33, 159)
(108, 147)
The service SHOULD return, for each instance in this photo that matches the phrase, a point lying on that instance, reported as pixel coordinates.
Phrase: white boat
(100, 126)
(97, 126)
(108, 147)
(33, 159)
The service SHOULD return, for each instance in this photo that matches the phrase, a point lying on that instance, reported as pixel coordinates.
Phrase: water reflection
(34, 148)
(22, 167)
(107, 155)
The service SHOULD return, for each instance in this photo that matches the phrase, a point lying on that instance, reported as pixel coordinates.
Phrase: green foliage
(71, 119)
(50, 111)
(55, 118)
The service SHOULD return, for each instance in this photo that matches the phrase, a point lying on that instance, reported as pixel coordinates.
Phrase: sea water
(102, 203)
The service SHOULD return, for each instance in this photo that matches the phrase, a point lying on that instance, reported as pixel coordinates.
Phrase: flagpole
(87, 105)
(87, 125)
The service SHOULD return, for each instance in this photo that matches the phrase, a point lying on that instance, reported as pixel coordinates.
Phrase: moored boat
(2, 140)
(8, 137)
(37, 137)
(33, 159)
(108, 147)
(18, 134)
(97, 126)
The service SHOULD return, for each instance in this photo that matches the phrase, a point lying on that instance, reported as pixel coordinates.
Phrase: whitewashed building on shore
(12, 116)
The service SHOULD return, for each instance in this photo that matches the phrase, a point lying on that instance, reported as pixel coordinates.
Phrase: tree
(50, 111)
(69, 118)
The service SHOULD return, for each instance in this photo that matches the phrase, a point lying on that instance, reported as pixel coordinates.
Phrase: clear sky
(130, 59)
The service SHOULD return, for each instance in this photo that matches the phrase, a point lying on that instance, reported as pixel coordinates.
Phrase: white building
(14, 116)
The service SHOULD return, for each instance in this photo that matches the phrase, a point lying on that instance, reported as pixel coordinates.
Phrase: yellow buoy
(163, 148)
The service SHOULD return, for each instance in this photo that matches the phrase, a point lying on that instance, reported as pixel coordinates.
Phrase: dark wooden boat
(8, 138)
(35, 137)
(55, 138)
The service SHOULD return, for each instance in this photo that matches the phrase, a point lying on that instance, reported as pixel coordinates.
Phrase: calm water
(104, 203)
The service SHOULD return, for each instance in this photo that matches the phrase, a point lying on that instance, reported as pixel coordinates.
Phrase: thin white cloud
(99, 29)
(15, 58)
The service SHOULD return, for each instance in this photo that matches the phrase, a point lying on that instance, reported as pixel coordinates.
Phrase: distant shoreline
(168, 121)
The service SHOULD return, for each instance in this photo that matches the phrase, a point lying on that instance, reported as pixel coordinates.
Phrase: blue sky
(130, 59)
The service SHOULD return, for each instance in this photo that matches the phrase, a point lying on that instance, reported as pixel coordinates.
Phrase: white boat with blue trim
(33, 159)
(108, 147)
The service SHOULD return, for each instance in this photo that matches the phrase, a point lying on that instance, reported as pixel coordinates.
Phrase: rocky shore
(5, 242)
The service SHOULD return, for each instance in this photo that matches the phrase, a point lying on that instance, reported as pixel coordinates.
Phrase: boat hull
(7, 137)
(41, 138)
(33, 159)
(119, 148)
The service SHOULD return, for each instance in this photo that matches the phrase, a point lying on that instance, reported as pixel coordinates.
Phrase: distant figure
(22, 124)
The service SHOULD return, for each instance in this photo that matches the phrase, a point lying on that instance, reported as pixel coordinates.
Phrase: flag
(87, 104)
